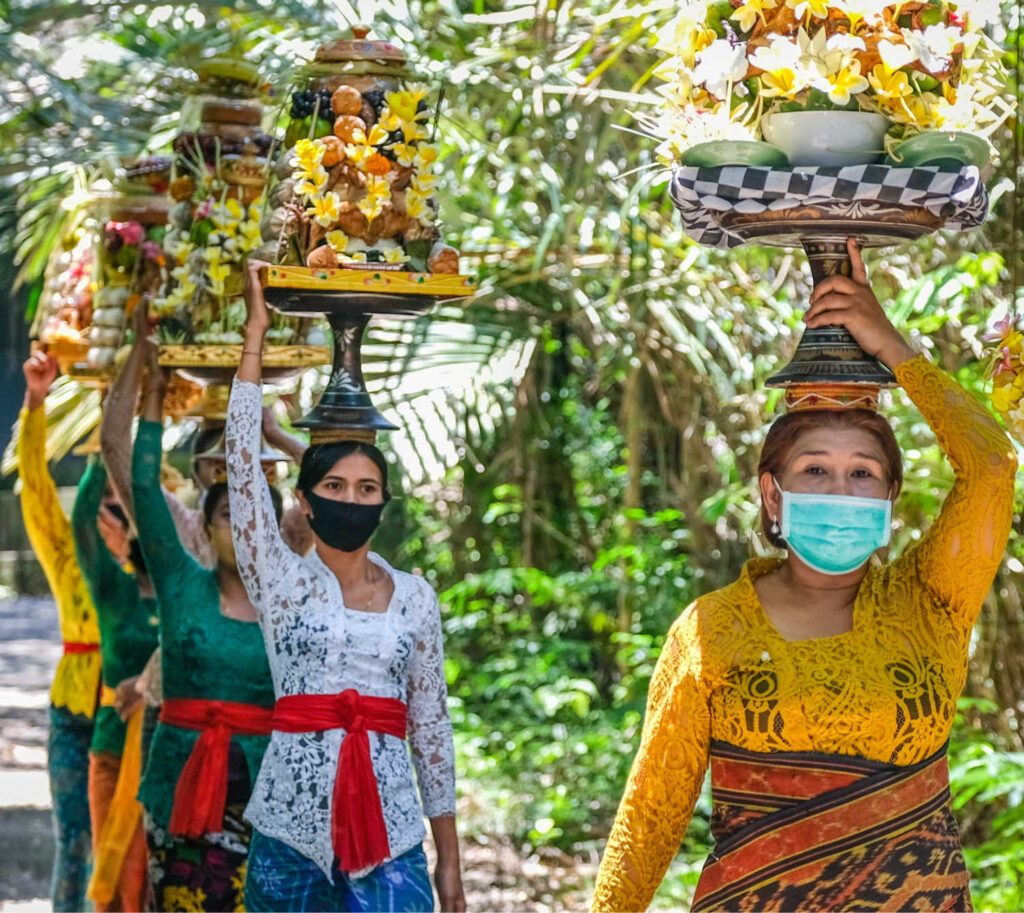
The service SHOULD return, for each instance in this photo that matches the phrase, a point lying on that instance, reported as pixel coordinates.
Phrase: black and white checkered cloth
(702, 194)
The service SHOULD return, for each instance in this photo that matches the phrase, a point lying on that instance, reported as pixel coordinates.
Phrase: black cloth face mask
(344, 525)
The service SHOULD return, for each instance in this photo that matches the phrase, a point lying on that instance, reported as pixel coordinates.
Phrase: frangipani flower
(249, 233)
(404, 154)
(394, 255)
(378, 192)
(808, 9)
(783, 75)
(751, 11)
(326, 209)
(895, 56)
(217, 274)
(337, 240)
(889, 85)
(310, 184)
(416, 206)
(721, 65)
(844, 83)
(857, 11)
(404, 104)
(933, 46)
(309, 153)
(1004, 397)
(363, 146)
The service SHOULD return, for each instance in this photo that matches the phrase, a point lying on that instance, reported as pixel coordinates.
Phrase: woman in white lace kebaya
(356, 654)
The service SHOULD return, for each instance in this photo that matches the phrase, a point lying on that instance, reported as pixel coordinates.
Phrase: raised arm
(102, 572)
(666, 778)
(119, 412)
(262, 555)
(45, 520)
(166, 558)
(277, 437)
(261, 552)
(959, 555)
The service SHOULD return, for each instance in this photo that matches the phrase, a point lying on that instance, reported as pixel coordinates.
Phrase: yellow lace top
(886, 690)
(77, 681)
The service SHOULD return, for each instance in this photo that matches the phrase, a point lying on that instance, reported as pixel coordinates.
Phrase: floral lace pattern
(885, 690)
(77, 679)
(316, 645)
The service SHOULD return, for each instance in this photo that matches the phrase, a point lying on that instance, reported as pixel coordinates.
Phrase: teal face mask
(834, 534)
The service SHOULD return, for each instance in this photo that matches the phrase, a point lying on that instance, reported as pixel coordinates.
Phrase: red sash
(202, 789)
(358, 832)
(71, 648)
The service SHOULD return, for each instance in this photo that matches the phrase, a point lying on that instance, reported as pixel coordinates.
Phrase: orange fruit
(346, 125)
(334, 151)
(346, 100)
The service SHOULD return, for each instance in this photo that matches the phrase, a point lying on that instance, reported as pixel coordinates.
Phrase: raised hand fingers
(842, 285)
(860, 271)
(828, 308)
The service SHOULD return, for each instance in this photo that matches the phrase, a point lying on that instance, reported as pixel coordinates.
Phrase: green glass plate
(949, 151)
(734, 152)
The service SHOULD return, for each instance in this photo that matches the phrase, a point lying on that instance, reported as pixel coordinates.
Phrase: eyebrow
(864, 456)
(344, 479)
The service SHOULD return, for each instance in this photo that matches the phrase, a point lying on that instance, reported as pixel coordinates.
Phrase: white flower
(870, 11)
(979, 12)
(847, 44)
(934, 45)
(720, 65)
(895, 56)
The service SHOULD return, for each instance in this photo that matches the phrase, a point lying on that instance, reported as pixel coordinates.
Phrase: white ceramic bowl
(827, 138)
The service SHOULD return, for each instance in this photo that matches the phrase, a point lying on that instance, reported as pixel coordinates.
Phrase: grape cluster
(376, 100)
(304, 103)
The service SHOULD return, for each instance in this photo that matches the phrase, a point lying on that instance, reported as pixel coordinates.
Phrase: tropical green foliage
(592, 469)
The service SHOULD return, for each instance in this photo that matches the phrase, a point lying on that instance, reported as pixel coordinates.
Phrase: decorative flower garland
(924, 66)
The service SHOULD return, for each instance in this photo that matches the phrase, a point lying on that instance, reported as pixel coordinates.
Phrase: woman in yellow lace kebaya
(76, 685)
(821, 691)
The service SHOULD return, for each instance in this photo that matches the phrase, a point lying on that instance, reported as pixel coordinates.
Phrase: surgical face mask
(834, 534)
(343, 525)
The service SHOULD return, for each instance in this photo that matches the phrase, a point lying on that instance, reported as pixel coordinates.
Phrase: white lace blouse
(316, 645)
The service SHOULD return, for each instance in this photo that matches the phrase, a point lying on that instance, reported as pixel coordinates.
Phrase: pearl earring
(775, 527)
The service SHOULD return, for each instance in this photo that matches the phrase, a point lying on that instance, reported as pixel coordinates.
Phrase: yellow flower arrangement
(928, 67)
(327, 209)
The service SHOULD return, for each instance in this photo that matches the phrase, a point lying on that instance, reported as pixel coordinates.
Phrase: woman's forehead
(837, 442)
(355, 466)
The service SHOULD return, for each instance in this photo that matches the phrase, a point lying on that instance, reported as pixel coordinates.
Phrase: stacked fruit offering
(356, 185)
(65, 306)
(221, 169)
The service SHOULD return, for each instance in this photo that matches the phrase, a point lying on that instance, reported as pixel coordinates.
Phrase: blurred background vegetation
(590, 469)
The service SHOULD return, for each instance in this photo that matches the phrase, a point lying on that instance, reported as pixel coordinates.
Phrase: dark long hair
(218, 491)
(786, 430)
(319, 458)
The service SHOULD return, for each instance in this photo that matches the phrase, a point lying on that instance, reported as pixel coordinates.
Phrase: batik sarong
(808, 831)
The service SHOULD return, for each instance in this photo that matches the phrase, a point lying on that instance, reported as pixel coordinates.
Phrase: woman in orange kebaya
(820, 688)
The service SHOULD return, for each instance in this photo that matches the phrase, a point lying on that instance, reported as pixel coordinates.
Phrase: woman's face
(219, 531)
(826, 461)
(354, 478)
